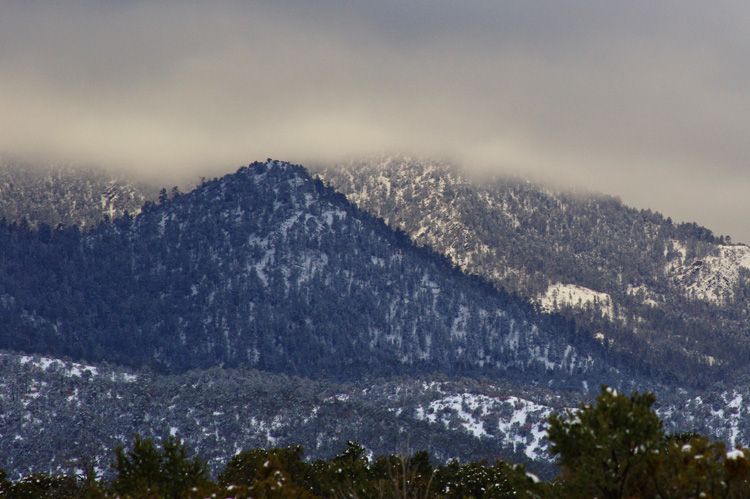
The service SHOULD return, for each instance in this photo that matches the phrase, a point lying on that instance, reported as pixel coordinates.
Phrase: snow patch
(735, 454)
(69, 368)
(712, 278)
(571, 295)
(517, 421)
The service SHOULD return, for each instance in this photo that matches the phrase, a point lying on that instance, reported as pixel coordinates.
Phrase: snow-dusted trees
(607, 449)
(146, 471)
(617, 449)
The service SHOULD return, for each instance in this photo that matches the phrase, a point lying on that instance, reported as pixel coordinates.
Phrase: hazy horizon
(647, 102)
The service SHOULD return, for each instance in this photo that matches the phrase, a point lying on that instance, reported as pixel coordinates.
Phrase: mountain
(268, 268)
(670, 294)
(67, 195)
(264, 308)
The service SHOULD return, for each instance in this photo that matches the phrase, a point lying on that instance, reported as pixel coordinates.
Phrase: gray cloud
(646, 100)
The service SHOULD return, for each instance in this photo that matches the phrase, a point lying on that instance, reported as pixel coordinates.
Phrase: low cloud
(646, 101)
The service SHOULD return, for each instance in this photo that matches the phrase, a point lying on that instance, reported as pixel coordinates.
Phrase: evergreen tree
(146, 470)
(617, 449)
(608, 450)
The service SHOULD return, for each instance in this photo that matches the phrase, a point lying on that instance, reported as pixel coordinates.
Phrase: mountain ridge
(263, 268)
(661, 282)
(268, 269)
(66, 195)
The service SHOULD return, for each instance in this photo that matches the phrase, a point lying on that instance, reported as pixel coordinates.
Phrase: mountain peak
(268, 268)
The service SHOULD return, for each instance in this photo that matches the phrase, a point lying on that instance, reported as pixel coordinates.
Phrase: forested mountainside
(668, 293)
(67, 195)
(270, 269)
(64, 417)
(57, 414)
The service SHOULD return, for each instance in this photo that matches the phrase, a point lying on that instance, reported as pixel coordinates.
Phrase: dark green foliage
(481, 480)
(404, 475)
(699, 466)
(616, 449)
(347, 474)
(147, 470)
(609, 449)
(42, 486)
(350, 474)
(251, 466)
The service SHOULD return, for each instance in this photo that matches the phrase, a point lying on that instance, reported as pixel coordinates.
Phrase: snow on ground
(646, 296)
(711, 278)
(516, 421)
(71, 368)
(571, 295)
(721, 415)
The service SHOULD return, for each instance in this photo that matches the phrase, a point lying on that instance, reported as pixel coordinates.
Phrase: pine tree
(146, 470)
(608, 450)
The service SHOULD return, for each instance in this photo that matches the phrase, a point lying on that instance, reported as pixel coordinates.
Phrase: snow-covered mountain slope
(518, 422)
(62, 416)
(716, 277)
(67, 195)
(663, 290)
(721, 413)
(560, 295)
(523, 236)
(270, 269)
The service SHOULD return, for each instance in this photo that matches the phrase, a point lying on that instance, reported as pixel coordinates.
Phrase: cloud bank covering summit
(646, 101)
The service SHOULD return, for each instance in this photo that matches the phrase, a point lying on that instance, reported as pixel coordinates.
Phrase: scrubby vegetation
(615, 448)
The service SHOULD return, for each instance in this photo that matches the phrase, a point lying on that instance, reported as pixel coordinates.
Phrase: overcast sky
(646, 100)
